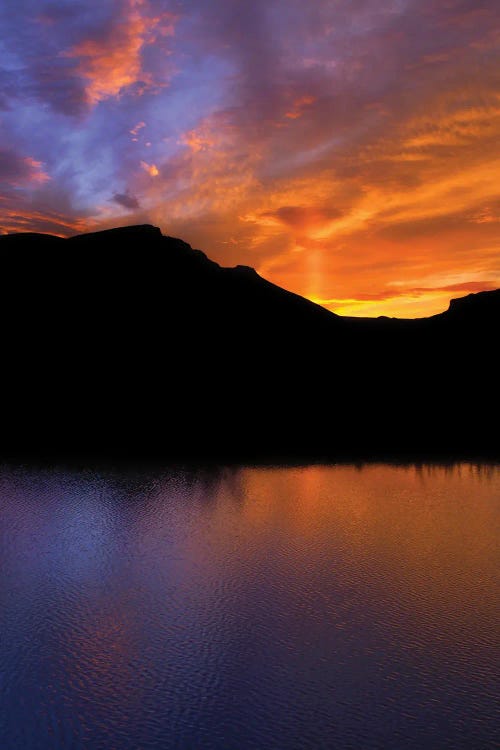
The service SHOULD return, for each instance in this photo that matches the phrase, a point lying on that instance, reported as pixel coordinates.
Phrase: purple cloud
(125, 200)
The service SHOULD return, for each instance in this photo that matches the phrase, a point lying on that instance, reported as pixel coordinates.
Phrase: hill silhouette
(128, 343)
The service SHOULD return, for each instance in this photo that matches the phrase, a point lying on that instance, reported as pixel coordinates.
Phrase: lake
(249, 609)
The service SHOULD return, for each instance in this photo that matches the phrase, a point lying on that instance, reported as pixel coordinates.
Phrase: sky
(346, 149)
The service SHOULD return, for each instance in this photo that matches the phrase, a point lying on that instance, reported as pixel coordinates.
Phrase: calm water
(320, 607)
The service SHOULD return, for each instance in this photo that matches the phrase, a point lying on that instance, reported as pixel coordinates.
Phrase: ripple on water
(316, 607)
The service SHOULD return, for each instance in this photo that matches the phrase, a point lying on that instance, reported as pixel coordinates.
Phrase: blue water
(246, 609)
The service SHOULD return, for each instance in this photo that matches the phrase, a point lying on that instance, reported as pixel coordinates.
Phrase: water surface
(246, 609)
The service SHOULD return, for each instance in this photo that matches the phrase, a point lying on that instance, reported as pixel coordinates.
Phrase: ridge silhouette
(126, 343)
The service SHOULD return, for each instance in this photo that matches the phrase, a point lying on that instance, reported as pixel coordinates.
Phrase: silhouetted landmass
(128, 343)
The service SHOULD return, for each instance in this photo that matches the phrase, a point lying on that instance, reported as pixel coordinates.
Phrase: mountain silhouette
(127, 343)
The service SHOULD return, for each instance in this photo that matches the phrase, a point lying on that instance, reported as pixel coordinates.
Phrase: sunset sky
(346, 149)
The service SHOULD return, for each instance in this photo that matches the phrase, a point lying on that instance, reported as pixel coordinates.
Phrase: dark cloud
(302, 216)
(126, 201)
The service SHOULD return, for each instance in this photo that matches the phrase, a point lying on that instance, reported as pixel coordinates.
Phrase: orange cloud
(486, 215)
(299, 106)
(37, 173)
(22, 219)
(197, 140)
(113, 65)
(151, 169)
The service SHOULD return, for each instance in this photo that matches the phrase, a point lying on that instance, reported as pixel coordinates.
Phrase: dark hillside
(126, 343)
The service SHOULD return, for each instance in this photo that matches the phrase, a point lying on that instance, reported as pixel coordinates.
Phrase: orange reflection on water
(425, 535)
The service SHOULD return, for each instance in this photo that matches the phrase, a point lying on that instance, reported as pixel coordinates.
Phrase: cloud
(151, 169)
(466, 286)
(197, 140)
(24, 216)
(136, 130)
(299, 106)
(126, 200)
(113, 64)
(17, 171)
(301, 217)
(73, 56)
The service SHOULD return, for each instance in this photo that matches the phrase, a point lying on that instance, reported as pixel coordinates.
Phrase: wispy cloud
(18, 171)
(113, 63)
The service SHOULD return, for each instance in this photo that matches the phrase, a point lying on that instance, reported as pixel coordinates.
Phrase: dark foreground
(127, 344)
(279, 609)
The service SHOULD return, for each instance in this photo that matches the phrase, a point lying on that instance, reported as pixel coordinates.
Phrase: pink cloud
(114, 65)
(21, 171)
(151, 169)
